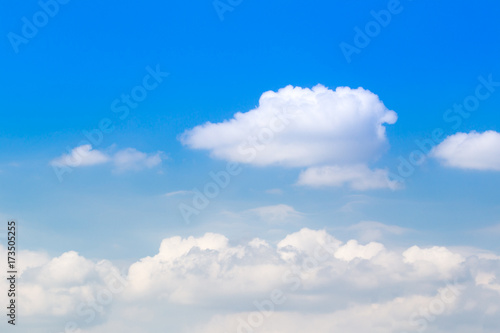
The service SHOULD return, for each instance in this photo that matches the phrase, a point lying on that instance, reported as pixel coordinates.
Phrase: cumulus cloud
(353, 250)
(475, 151)
(123, 160)
(300, 127)
(336, 133)
(357, 177)
(81, 156)
(308, 281)
(61, 286)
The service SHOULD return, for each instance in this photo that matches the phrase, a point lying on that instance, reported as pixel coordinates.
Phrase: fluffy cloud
(357, 177)
(353, 250)
(123, 160)
(81, 156)
(300, 127)
(63, 286)
(432, 261)
(476, 151)
(308, 281)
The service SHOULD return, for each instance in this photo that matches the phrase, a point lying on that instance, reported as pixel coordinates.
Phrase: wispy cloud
(357, 177)
(182, 192)
(275, 213)
(131, 159)
(128, 159)
(275, 191)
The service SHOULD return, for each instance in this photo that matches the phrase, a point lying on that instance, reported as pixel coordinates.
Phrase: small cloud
(132, 159)
(473, 151)
(276, 213)
(276, 191)
(170, 194)
(357, 177)
(371, 230)
(491, 230)
(354, 201)
(81, 156)
(124, 160)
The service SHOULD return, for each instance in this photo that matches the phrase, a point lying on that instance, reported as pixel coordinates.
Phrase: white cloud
(353, 250)
(300, 127)
(214, 284)
(68, 269)
(382, 317)
(124, 160)
(428, 262)
(357, 177)
(81, 156)
(476, 151)
(132, 159)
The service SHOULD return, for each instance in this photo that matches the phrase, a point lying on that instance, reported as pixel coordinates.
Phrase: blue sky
(62, 81)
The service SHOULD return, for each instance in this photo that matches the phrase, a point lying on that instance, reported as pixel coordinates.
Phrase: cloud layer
(309, 279)
(475, 151)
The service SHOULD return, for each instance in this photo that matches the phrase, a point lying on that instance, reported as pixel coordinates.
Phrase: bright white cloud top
(309, 280)
(300, 127)
(475, 151)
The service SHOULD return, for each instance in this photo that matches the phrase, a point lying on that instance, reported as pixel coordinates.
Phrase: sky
(219, 143)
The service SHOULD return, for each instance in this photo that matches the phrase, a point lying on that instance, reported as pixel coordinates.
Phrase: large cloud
(308, 281)
(300, 127)
(477, 151)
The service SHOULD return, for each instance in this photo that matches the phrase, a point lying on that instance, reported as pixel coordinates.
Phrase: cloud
(308, 281)
(491, 230)
(371, 230)
(128, 159)
(132, 159)
(428, 262)
(378, 317)
(300, 127)
(353, 250)
(275, 191)
(81, 156)
(475, 151)
(357, 177)
(182, 192)
(276, 213)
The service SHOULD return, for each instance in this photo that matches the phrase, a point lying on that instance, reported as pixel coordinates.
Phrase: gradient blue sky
(63, 81)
